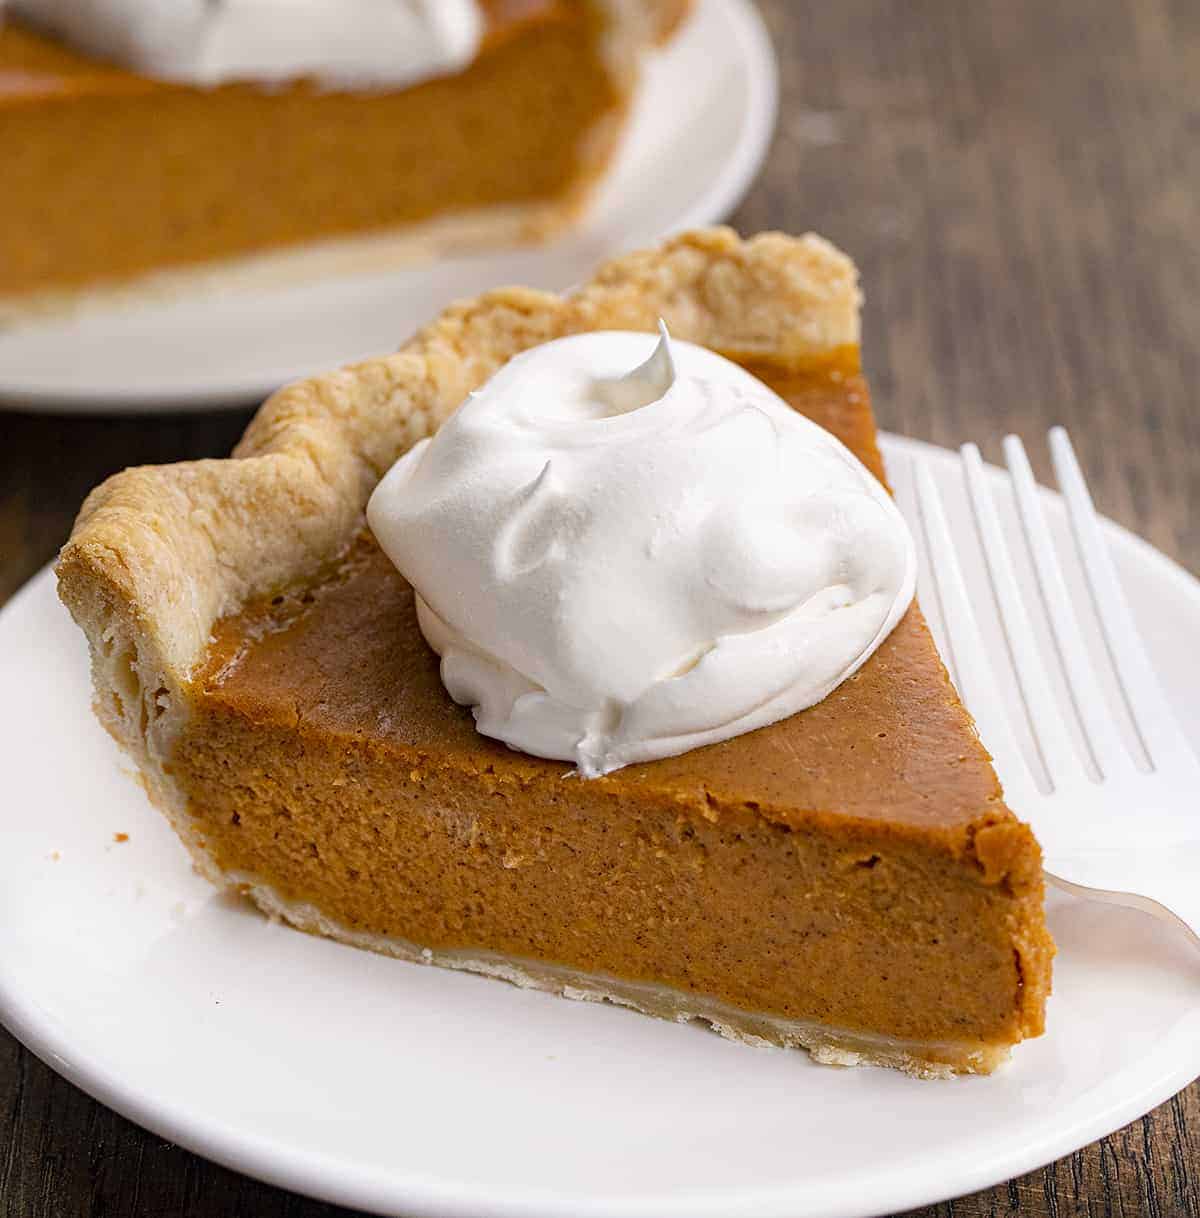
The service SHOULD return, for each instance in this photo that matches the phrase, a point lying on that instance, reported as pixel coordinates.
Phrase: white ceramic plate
(402, 1089)
(701, 127)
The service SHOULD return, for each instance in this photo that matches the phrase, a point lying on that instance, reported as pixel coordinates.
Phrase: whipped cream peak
(645, 384)
(617, 565)
(350, 44)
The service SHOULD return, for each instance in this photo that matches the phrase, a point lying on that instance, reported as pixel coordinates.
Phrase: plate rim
(756, 53)
(1164, 1072)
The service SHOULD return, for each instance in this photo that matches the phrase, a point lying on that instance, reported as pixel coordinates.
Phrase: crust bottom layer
(410, 245)
(827, 1045)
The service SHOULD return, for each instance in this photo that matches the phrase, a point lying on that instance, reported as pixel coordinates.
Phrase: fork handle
(1174, 899)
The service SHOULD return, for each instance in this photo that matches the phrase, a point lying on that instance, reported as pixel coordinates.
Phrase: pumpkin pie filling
(848, 879)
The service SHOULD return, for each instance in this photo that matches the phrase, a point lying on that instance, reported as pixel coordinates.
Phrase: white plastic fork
(1113, 831)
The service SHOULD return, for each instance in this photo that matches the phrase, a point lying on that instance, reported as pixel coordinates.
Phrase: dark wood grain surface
(1019, 182)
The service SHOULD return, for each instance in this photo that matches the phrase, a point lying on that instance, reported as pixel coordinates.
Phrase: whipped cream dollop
(352, 44)
(620, 565)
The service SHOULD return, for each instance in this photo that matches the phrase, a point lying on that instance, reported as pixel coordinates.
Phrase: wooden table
(1019, 182)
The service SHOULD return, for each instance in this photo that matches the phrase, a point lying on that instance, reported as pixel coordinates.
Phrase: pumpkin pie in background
(190, 149)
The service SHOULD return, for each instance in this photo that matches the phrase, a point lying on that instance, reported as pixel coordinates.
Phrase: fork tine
(902, 476)
(1108, 750)
(1152, 717)
(975, 678)
(1045, 717)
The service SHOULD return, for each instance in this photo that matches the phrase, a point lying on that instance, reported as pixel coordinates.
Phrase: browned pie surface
(108, 174)
(853, 864)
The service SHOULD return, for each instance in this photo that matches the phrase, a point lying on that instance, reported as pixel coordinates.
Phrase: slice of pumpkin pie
(844, 877)
(152, 147)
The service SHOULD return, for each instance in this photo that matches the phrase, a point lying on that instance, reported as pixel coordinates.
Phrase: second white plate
(407, 1090)
(703, 120)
